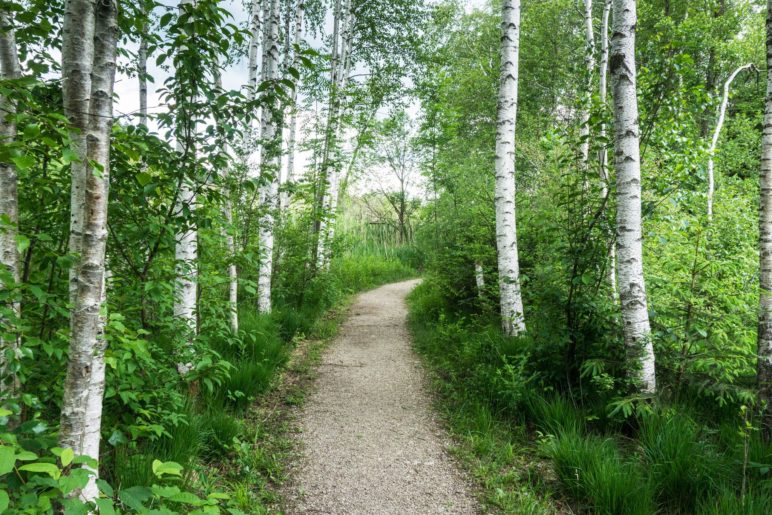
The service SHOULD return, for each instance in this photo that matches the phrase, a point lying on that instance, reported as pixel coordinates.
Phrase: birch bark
(512, 319)
(88, 76)
(186, 247)
(589, 61)
(9, 201)
(632, 289)
(717, 134)
(603, 154)
(271, 162)
(328, 171)
(293, 122)
(764, 367)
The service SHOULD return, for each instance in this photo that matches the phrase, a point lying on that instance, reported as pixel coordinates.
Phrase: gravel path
(370, 442)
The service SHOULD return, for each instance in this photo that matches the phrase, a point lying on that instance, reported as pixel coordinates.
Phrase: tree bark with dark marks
(627, 160)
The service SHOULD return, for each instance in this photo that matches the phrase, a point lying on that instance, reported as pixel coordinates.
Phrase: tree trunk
(603, 155)
(328, 179)
(9, 201)
(271, 160)
(632, 289)
(293, 123)
(142, 71)
(717, 133)
(186, 247)
(512, 316)
(589, 61)
(479, 279)
(88, 75)
(765, 248)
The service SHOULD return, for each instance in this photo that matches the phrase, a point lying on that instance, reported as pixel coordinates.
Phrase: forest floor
(369, 439)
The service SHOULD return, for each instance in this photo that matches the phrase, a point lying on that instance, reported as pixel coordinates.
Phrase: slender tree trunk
(765, 248)
(603, 155)
(186, 247)
(589, 61)
(293, 122)
(632, 289)
(142, 72)
(9, 201)
(88, 74)
(328, 179)
(271, 165)
(717, 133)
(479, 279)
(512, 316)
(230, 240)
(342, 64)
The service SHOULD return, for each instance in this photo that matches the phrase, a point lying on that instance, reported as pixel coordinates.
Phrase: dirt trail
(370, 442)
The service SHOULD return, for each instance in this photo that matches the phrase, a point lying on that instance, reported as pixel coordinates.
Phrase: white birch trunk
(9, 201)
(88, 73)
(589, 61)
(271, 166)
(479, 278)
(341, 69)
(186, 251)
(328, 171)
(632, 289)
(603, 155)
(764, 367)
(512, 316)
(293, 121)
(230, 244)
(717, 134)
(142, 75)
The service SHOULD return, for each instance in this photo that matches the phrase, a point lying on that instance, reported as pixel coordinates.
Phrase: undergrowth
(535, 447)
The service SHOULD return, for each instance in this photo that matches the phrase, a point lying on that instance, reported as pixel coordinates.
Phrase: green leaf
(4, 501)
(135, 496)
(162, 468)
(144, 178)
(105, 506)
(23, 162)
(43, 468)
(7, 459)
(67, 456)
(105, 488)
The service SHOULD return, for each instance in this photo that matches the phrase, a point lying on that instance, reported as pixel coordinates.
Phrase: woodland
(192, 191)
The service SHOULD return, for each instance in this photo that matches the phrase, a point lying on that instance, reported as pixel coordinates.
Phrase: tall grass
(593, 472)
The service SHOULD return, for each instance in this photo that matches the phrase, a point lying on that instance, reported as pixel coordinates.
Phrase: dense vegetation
(189, 289)
(599, 326)
(562, 394)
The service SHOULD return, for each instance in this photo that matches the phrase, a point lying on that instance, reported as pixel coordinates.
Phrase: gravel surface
(369, 438)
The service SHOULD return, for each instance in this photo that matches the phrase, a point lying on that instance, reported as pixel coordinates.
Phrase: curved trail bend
(370, 442)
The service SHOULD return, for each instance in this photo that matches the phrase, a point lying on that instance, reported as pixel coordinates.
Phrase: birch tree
(603, 153)
(293, 119)
(328, 179)
(589, 62)
(764, 367)
(632, 289)
(512, 317)
(186, 246)
(88, 76)
(10, 69)
(270, 136)
(717, 134)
